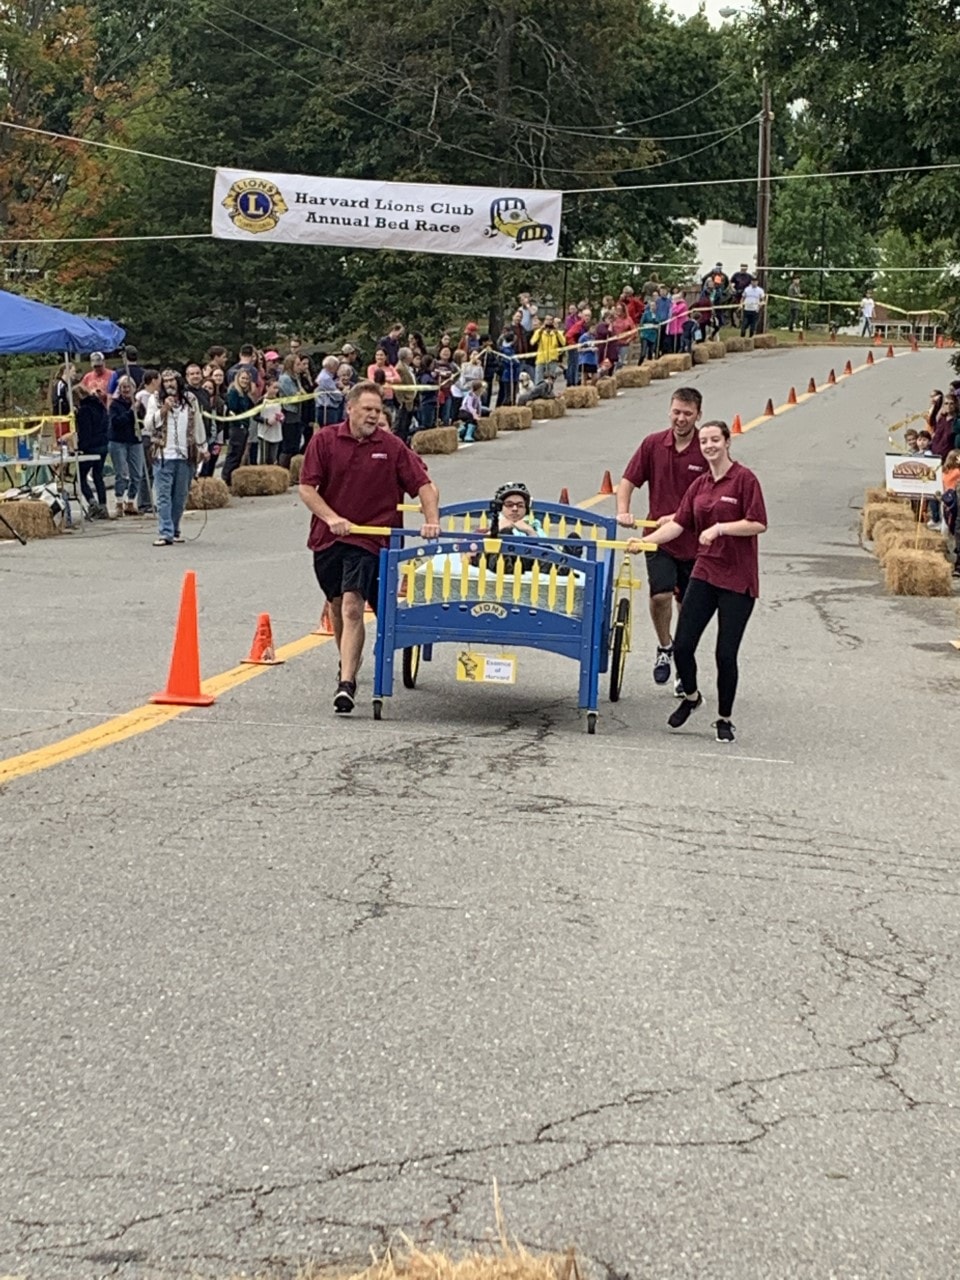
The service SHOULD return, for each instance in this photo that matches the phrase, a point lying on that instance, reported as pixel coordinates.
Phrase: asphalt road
(277, 985)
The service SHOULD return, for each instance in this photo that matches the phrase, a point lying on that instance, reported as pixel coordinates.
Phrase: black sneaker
(684, 712)
(661, 668)
(725, 731)
(344, 698)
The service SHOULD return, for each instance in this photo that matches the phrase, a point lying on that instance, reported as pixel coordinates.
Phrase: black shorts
(345, 567)
(667, 575)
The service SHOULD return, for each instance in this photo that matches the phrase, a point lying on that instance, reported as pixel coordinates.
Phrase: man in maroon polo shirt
(356, 474)
(668, 462)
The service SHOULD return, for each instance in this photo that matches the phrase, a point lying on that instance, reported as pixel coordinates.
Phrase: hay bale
(486, 430)
(259, 482)
(875, 511)
(700, 354)
(677, 362)
(633, 375)
(917, 573)
(890, 535)
(766, 341)
(658, 370)
(209, 493)
(296, 463)
(733, 344)
(749, 344)
(435, 440)
(607, 388)
(581, 397)
(519, 419)
(884, 495)
(31, 519)
(715, 349)
(544, 409)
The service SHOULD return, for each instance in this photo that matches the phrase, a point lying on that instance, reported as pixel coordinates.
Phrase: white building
(726, 242)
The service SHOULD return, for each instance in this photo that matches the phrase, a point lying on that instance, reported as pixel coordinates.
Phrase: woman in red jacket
(725, 508)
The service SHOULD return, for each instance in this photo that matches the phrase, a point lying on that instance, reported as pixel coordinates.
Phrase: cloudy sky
(713, 7)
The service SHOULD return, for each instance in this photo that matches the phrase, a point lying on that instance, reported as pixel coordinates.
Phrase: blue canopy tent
(27, 326)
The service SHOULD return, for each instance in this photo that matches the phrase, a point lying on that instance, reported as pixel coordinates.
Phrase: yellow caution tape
(842, 302)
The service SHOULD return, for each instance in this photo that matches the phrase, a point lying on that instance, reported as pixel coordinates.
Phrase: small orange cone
(769, 411)
(878, 341)
(939, 341)
(869, 357)
(262, 653)
(564, 498)
(325, 625)
(606, 484)
(792, 397)
(812, 387)
(914, 345)
(890, 352)
(183, 680)
(736, 429)
(831, 379)
(833, 335)
(800, 337)
(847, 369)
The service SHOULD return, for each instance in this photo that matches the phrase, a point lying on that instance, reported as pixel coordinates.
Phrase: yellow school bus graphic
(509, 217)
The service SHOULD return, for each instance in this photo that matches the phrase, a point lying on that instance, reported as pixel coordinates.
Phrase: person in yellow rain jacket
(547, 341)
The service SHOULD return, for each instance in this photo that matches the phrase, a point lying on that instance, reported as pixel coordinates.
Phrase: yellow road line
(139, 720)
(781, 409)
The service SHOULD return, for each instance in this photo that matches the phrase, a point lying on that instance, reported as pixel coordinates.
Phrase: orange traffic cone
(325, 625)
(736, 429)
(847, 369)
(914, 345)
(833, 335)
(769, 411)
(831, 379)
(262, 653)
(812, 387)
(564, 498)
(939, 341)
(792, 397)
(800, 337)
(183, 679)
(606, 484)
(869, 357)
(890, 352)
(878, 341)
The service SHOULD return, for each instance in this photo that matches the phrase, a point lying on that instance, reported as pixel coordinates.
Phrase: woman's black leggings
(94, 469)
(701, 601)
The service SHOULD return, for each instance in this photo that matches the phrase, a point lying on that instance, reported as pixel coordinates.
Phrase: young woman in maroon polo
(726, 511)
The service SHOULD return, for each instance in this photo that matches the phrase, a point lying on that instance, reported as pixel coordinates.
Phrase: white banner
(485, 222)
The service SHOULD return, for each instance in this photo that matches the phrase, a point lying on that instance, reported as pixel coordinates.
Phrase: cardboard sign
(915, 474)
(486, 668)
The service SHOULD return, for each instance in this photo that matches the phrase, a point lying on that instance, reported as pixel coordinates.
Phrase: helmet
(504, 492)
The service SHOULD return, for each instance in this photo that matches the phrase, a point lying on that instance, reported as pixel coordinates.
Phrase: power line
(109, 146)
(781, 177)
(533, 125)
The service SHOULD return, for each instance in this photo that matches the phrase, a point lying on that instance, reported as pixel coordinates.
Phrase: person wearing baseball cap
(98, 378)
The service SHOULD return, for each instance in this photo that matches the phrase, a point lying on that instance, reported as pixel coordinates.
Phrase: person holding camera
(178, 436)
(547, 341)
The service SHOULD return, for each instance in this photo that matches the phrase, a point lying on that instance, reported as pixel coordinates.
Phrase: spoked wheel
(619, 647)
(411, 666)
(378, 708)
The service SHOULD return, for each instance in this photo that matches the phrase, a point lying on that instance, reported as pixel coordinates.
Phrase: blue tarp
(27, 326)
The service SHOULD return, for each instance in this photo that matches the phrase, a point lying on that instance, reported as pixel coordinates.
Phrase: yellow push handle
(489, 544)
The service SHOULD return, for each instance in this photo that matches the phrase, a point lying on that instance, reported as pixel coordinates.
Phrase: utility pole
(763, 191)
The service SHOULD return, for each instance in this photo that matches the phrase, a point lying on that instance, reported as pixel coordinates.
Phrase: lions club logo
(254, 205)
